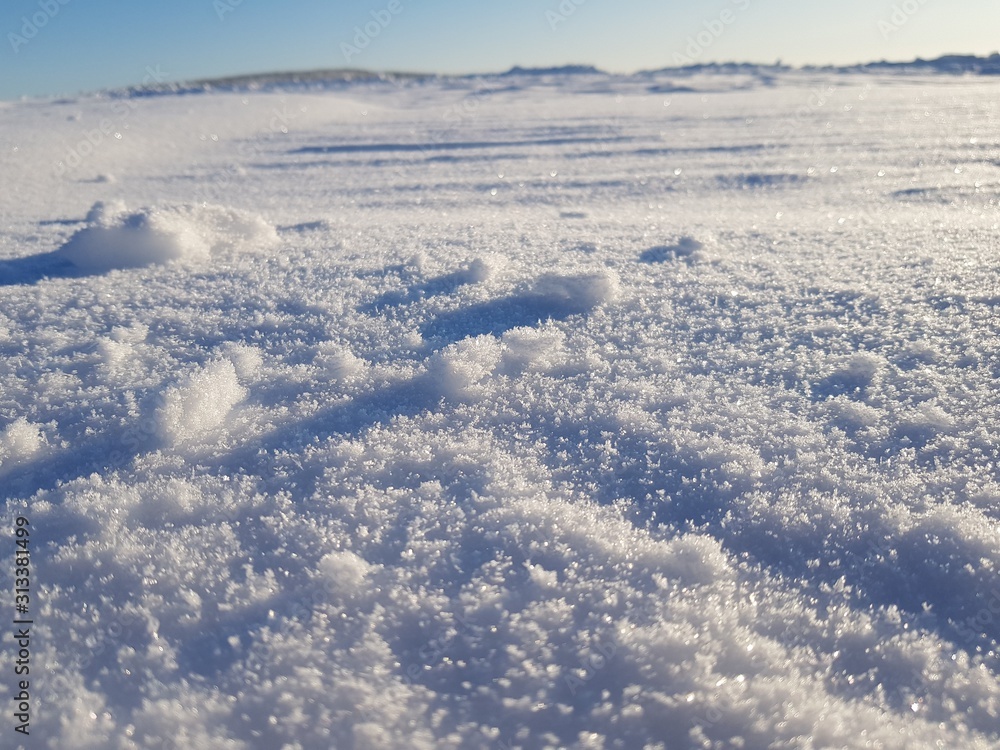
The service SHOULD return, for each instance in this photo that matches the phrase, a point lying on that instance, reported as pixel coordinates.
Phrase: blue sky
(65, 46)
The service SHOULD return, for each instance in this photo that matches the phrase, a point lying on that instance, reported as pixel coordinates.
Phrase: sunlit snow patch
(19, 441)
(117, 238)
(343, 573)
(528, 348)
(459, 370)
(200, 404)
(338, 362)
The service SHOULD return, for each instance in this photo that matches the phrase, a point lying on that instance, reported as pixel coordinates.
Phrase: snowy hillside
(532, 411)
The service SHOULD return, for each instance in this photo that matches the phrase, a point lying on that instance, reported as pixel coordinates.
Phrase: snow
(20, 440)
(201, 404)
(509, 412)
(115, 238)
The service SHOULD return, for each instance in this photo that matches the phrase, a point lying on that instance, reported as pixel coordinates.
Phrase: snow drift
(118, 238)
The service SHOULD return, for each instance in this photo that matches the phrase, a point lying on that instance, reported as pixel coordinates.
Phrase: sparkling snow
(510, 412)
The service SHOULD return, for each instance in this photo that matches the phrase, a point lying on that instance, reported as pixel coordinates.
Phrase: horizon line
(348, 74)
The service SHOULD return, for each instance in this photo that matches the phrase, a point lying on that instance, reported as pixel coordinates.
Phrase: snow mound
(458, 371)
(686, 248)
(481, 269)
(200, 404)
(924, 423)
(852, 375)
(343, 573)
(117, 238)
(247, 360)
(575, 294)
(338, 362)
(20, 441)
(532, 349)
(172, 500)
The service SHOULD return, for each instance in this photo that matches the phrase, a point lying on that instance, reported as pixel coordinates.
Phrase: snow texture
(533, 411)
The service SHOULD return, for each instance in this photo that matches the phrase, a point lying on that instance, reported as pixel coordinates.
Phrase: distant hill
(517, 70)
(257, 81)
(954, 64)
(946, 65)
(308, 76)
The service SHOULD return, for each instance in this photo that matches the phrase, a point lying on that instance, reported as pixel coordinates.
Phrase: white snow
(574, 294)
(522, 412)
(201, 403)
(117, 238)
(19, 441)
(458, 370)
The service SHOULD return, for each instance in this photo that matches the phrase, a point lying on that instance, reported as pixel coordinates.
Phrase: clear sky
(66, 46)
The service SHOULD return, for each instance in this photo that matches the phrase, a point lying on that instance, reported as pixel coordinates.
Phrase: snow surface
(514, 412)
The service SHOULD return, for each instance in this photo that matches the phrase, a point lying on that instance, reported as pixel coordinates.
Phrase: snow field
(341, 449)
